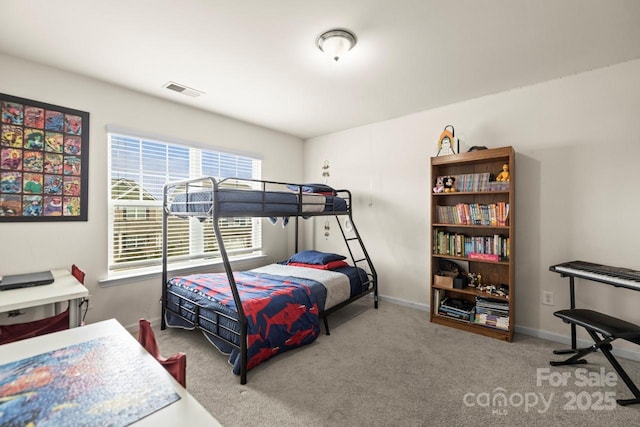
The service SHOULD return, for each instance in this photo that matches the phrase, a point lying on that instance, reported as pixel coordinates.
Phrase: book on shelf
(498, 186)
(472, 182)
(491, 310)
(485, 248)
(483, 257)
(456, 308)
(493, 214)
(494, 313)
(437, 297)
(487, 301)
(452, 310)
(445, 311)
(456, 316)
(497, 322)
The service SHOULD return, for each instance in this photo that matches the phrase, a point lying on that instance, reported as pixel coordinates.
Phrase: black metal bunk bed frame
(213, 185)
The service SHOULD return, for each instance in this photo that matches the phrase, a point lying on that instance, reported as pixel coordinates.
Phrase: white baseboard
(546, 335)
(405, 303)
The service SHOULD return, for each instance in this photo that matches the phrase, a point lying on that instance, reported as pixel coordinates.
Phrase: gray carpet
(392, 367)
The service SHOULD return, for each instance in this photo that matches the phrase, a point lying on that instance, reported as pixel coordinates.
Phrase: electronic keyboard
(616, 276)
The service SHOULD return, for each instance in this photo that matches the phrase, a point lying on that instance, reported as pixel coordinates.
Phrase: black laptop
(17, 281)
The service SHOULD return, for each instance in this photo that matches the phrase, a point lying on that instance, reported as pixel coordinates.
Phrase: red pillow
(331, 265)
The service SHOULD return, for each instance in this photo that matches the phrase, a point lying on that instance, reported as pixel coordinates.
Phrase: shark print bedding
(281, 303)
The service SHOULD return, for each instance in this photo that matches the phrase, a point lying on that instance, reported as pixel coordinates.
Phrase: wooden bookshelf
(475, 169)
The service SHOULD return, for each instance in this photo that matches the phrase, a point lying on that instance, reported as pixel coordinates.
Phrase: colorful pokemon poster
(96, 383)
(44, 151)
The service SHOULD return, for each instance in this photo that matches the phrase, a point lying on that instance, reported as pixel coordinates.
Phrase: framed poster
(44, 161)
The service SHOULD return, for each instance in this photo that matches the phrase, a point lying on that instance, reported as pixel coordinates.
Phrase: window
(138, 169)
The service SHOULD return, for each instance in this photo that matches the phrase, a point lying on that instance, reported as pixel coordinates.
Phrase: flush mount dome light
(336, 43)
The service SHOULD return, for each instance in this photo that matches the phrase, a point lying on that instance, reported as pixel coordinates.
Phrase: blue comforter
(281, 314)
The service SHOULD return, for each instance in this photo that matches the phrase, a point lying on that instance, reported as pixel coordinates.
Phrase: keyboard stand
(613, 276)
(572, 300)
(603, 329)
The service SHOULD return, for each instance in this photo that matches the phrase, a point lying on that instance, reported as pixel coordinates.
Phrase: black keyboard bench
(603, 329)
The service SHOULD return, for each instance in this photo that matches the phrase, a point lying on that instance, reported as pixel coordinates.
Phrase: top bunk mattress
(232, 202)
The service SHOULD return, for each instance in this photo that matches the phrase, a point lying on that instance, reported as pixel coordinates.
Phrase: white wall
(578, 143)
(26, 247)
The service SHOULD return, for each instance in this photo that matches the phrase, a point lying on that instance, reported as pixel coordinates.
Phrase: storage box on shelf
(474, 222)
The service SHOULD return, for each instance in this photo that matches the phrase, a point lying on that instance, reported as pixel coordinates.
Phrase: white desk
(185, 411)
(65, 287)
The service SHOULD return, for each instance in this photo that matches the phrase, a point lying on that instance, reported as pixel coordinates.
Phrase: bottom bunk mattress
(282, 304)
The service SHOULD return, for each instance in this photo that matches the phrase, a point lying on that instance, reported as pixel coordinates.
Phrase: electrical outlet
(547, 297)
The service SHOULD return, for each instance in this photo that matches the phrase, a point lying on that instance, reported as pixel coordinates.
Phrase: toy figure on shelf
(473, 280)
(449, 184)
(439, 188)
(504, 175)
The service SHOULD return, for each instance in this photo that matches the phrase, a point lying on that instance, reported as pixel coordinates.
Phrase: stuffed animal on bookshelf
(473, 279)
(504, 175)
(439, 188)
(449, 184)
(450, 268)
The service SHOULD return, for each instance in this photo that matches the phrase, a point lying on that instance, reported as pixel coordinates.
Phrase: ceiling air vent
(177, 87)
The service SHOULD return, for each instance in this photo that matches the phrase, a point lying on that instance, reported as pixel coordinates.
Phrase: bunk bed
(256, 314)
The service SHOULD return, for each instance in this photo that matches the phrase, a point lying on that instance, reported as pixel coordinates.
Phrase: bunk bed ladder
(372, 275)
(371, 279)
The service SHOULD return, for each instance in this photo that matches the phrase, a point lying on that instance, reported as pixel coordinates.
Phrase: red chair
(59, 322)
(21, 331)
(176, 364)
(77, 273)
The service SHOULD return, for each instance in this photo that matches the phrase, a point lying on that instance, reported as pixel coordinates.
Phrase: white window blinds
(138, 170)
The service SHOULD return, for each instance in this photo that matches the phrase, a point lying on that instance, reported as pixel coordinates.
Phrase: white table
(185, 411)
(65, 287)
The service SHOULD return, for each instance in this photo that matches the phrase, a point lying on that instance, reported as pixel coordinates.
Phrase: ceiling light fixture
(336, 43)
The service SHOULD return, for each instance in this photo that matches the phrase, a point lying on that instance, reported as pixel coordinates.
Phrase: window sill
(150, 273)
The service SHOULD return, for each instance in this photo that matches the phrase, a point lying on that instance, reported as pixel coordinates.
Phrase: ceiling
(256, 60)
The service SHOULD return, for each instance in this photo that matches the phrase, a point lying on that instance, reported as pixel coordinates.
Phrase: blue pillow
(313, 188)
(315, 257)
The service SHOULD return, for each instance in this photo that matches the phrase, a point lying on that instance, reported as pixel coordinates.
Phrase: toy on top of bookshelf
(448, 143)
(476, 148)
